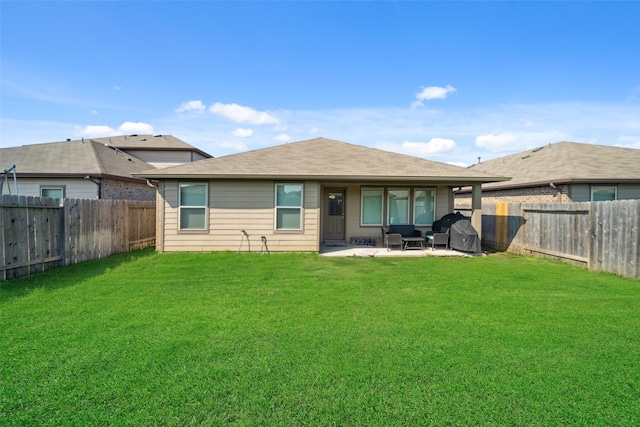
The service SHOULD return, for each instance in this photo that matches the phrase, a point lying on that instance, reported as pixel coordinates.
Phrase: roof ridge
(103, 169)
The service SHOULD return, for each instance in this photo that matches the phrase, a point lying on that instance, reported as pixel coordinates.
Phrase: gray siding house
(158, 150)
(299, 195)
(560, 172)
(98, 168)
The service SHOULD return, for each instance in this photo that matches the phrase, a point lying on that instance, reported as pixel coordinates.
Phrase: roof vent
(157, 136)
(537, 149)
(68, 139)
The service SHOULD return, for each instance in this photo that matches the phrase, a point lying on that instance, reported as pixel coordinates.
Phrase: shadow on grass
(71, 275)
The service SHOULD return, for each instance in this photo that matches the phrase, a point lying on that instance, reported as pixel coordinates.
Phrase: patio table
(412, 243)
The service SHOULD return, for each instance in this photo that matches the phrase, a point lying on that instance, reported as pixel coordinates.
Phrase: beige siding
(444, 201)
(74, 188)
(241, 205)
(249, 205)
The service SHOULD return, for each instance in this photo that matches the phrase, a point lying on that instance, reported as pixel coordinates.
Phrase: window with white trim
(288, 206)
(193, 206)
(398, 206)
(424, 206)
(56, 192)
(371, 206)
(604, 192)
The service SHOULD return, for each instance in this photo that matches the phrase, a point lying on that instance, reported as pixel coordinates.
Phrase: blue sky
(447, 81)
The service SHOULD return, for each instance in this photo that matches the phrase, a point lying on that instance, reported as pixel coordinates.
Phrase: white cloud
(234, 146)
(635, 145)
(242, 133)
(435, 146)
(461, 164)
(96, 131)
(518, 141)
(196, 106)
(432, 92)
(283, 138)
(628, 141)
(131, 128)
(497, 143)
(487, 131)
(95, 112)
(241, 114)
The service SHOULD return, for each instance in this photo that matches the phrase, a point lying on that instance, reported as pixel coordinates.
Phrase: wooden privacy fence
(603, 236)
(37, 234)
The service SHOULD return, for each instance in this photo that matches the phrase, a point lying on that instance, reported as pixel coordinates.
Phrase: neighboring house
(158, 150)
(97, 168)
(302, 194)
(76, 169)
(560, 172)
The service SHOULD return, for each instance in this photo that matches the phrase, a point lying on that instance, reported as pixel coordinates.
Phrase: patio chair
(393, 239)
(439, 238)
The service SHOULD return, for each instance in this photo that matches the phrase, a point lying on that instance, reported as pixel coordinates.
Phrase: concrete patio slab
(381, 251)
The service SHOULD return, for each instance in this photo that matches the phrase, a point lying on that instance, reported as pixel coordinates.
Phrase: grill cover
(462, 236)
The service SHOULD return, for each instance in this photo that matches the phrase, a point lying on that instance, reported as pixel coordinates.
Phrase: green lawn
(299, 339)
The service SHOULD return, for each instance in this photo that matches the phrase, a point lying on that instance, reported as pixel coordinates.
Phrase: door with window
(334, 210)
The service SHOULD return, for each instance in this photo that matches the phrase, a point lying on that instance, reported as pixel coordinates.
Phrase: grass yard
(299, 339)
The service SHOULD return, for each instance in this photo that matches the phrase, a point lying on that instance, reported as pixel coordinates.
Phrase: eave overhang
(448, 180)
(80, 176)
(547, 183)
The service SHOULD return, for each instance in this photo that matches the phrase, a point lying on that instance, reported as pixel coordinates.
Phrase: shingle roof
(322, 158)
(72, 158)
(149, 142)
(564, 162)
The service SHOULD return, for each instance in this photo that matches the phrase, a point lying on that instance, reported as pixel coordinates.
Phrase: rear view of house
(296, 196)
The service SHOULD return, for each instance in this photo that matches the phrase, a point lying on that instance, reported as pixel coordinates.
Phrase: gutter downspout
(97, 182)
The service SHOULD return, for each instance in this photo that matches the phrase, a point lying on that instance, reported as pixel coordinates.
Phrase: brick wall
(542, 194)
(125, 190)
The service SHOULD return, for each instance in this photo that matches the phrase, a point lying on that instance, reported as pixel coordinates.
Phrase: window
(53, 192)
(424, 203)
(336, 204)
(398, 206)
(289, 206)
(599, 194)
(193, 206)
(371, 206)
(404, 206)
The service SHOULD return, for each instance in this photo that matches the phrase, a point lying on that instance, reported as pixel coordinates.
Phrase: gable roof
(564, 162)
(149, 143)
(322, 158)
(73, 159)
